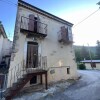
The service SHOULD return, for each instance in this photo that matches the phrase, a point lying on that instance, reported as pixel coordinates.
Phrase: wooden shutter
(64, 33)
(69, 31)
(31, 22)
(38, 25)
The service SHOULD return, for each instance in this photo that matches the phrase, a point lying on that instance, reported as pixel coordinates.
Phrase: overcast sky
(73, 11)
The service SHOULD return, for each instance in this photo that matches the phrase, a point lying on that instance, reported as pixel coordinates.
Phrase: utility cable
(12, 3)
(9, 2)
(86, 18)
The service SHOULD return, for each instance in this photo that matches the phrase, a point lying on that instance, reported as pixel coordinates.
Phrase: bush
(81, 66)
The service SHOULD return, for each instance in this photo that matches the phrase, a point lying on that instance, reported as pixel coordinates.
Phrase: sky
(74, 11)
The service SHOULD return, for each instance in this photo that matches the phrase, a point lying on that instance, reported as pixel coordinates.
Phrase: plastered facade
(5, 46)
(1, 44)
(59, 56)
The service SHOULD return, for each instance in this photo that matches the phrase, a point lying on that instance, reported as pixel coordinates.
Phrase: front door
(32, 58)
(32, 55)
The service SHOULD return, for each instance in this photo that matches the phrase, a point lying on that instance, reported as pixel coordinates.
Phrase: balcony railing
(33, 27)
(41, 65)
(65, 37)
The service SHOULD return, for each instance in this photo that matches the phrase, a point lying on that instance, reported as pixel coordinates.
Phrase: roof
(89, 61)
(38, 10)
(2, 30)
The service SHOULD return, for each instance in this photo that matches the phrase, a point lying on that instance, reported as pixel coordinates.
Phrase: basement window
(68, 70)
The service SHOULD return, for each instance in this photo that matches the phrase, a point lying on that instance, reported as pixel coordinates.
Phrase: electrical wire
(9, 2)
(86, 18)
(12, 3)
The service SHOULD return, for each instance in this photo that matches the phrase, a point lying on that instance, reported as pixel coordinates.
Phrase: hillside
(92, 48)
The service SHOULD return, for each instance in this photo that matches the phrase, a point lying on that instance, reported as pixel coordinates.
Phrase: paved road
(87, 88)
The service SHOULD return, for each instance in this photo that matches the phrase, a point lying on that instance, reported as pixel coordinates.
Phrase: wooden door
(32, 55)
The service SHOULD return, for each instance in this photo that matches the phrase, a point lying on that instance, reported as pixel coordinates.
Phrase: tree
(84, 53)
(98, 50)
(81, 66)
(77, 55)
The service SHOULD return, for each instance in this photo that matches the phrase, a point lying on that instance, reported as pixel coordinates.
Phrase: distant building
(92, 64)
(5, 54)
(5, 43)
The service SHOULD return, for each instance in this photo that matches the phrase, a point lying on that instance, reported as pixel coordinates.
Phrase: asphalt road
(87, 88)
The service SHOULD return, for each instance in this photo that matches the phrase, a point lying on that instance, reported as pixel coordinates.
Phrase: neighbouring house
(5, 46)
(5, 54)
(3, 82)
(92, 64)
(42, 49)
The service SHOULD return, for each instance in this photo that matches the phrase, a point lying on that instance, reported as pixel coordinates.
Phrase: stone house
(5, 43)
(42, 49)
(5, 54)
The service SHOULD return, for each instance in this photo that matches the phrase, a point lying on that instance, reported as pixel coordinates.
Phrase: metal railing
(12, 76)
(15, 73)
(18, 71)
(21, 69)
(33, 25)
(65, 38)
(42, 65)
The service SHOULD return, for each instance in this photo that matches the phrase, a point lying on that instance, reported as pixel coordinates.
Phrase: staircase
(22, 77)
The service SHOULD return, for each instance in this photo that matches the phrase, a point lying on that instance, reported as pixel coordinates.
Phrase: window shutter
(38, 25)
(31, 22)
(63, 33)
(70, 38)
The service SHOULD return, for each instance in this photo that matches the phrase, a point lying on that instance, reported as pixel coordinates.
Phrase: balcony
(65, 35)
(33, 28)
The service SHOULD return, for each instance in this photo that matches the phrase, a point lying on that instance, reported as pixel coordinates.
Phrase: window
(68, 70)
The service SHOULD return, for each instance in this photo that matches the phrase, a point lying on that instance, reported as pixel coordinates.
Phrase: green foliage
(98, 50)
(83, 53)
(78, 55)
(81, 66)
